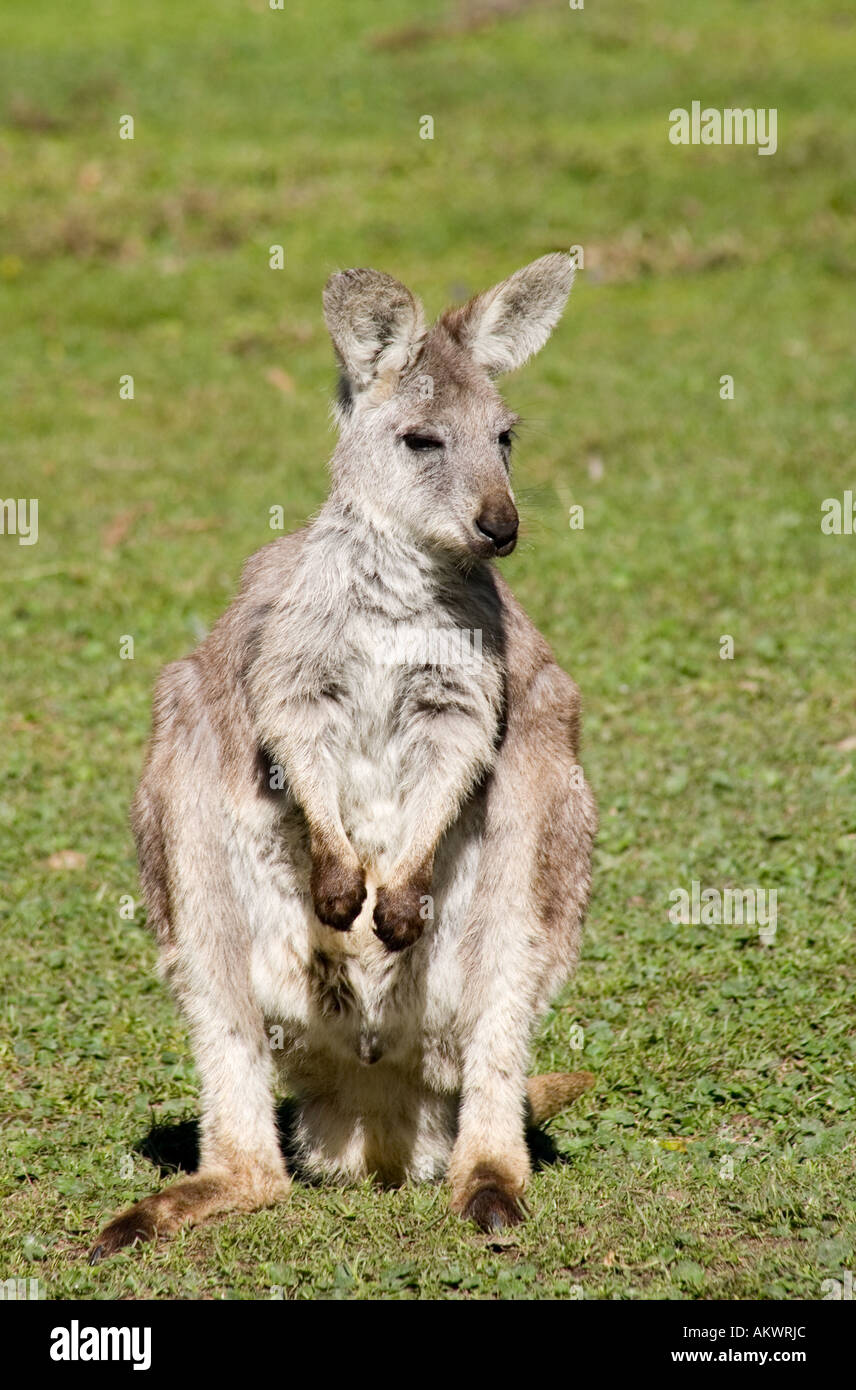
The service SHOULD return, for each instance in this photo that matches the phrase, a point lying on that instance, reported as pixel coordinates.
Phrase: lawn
(714, 1158)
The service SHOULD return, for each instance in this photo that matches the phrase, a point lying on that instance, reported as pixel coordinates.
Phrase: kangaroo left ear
(503, 327)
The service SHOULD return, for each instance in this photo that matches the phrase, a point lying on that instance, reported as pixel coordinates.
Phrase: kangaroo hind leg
(209, 956)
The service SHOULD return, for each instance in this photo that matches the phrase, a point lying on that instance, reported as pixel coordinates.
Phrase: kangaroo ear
(377, 327)
(506, 325)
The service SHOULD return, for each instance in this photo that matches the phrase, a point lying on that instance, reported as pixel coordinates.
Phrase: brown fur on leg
(548, 1094)
(185, 1203)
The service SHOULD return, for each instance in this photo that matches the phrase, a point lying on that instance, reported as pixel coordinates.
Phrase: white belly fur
(401, 1009)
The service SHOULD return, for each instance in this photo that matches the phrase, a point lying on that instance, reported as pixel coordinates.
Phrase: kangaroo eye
(505, 439)
(419, 442)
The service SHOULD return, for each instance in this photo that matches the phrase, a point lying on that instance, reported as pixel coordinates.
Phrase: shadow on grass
(542, 1150)
(174, 1148)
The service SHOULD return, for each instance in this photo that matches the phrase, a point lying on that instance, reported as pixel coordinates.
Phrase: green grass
(702, 519)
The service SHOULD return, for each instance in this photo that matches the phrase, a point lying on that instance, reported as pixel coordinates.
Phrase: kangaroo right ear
(377, 328)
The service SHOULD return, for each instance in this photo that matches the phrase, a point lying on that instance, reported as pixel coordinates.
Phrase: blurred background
(302, 128)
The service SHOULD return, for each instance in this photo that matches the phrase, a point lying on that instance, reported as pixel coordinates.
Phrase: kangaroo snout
(497, 524)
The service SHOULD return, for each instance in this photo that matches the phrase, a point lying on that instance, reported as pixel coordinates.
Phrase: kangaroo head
(425, 435)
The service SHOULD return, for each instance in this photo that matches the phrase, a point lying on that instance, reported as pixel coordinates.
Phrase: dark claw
(132, 1228)
(491, 1209)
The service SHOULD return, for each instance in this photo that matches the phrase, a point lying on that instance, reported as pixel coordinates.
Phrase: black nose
(499, 524)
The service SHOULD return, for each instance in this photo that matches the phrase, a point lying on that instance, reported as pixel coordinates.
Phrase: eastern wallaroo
(366, 858)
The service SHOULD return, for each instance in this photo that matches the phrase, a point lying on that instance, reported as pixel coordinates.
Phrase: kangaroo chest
(413, 694)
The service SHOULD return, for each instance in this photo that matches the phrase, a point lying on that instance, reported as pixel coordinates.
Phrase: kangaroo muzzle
(497, 523)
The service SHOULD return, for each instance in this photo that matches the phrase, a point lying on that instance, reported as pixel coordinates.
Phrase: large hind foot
(490, 1192)
(186, 1203)
(492, 1207)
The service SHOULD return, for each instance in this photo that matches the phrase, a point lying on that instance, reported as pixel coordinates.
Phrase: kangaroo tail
(548, 1094)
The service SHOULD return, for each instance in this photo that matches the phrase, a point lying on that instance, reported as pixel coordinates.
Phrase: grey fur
(368, 878)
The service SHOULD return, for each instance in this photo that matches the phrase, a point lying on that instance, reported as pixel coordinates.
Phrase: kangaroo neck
(377, 566)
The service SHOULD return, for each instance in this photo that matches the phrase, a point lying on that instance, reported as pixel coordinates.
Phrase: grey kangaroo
(364, 836)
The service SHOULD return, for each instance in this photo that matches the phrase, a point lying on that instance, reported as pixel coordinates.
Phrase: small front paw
(399, 915)
(338, 891)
